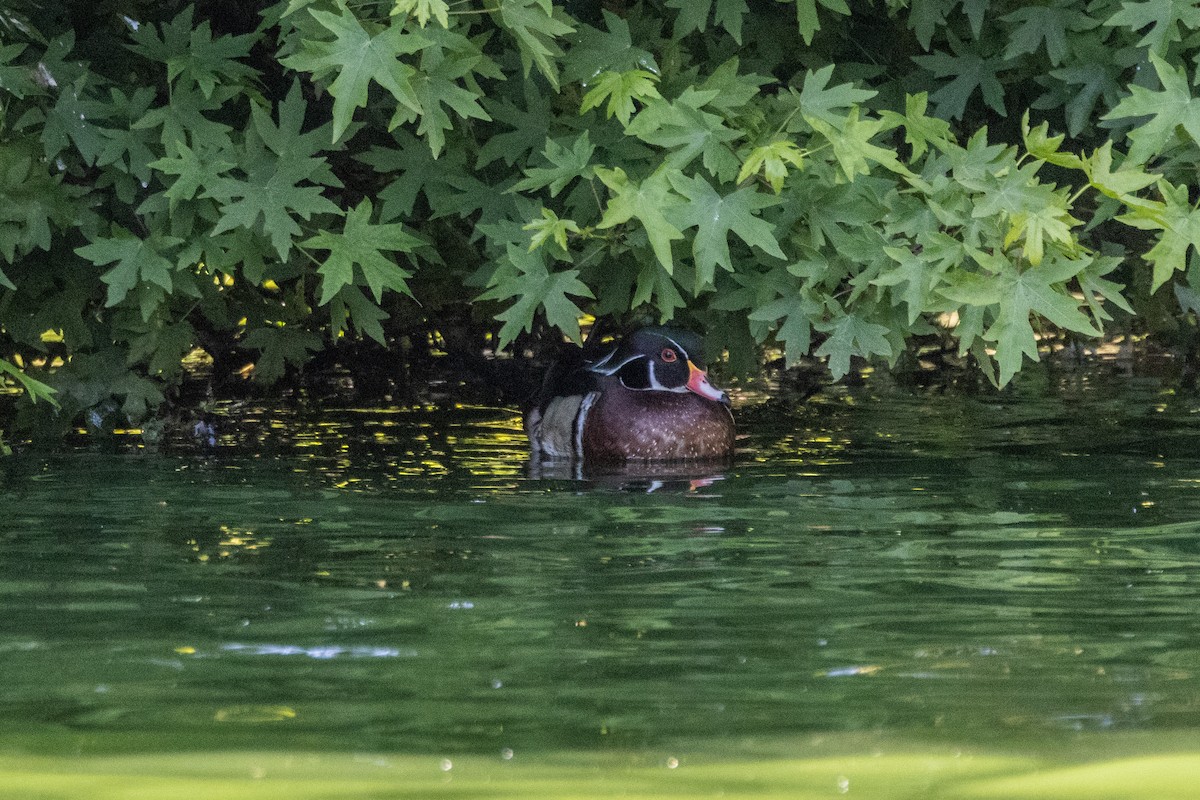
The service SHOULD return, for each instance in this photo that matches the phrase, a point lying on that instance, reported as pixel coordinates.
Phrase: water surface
(893, 592)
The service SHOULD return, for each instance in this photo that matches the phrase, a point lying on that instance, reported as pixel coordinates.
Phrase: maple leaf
(797, 311)
(280, 346)
(529, 127)
(568, 164)
(690, 132)
(448, 58)
(190, 51)
(927, 16)
(359, 244)
(72, 121)
(16, 80)
(423, 10)
(1049, 24)
(693, 16)
(137, 260)
(1168, 110)
(851, 141)
(772, 159)
(715, 217)
(1163, 17)
(655, 286)
(523, 274)
(536, 28)
(806, 15)
(1016, 295)
(1080, 87)
(279, 167)
(34, 388)
(184, 120)
(351, 306)
(648, 202)
(920, 273)
(1178, 224)
(969, 72)
(193, 170)
(594, 51)
(620, 89)
(733, 90)
(550, 227)
(1042, 145)
(34, 201)
(817, 99)
(358, 58)
(1118, 184)
(920, 130)
(851, 335)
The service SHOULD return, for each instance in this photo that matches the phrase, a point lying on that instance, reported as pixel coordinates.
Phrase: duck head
(660, 360)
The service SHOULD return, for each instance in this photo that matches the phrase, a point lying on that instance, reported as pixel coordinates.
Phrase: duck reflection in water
(642, 407)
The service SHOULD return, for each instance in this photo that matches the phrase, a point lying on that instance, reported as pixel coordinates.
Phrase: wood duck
(647, 399)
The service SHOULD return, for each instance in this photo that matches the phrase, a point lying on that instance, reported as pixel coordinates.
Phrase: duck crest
(647, 399)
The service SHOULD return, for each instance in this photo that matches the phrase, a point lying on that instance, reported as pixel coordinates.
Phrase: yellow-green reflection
(313, 776)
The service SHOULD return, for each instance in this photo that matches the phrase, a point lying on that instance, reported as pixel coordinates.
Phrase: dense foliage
(273, 181)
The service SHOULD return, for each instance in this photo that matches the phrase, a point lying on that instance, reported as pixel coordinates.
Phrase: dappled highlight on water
(877, 571)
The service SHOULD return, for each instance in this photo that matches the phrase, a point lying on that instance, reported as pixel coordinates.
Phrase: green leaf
(797, 311)
(969, 72)
(191, 52)
(137, 260)
(280, 346)
(688, 131)
(594, 51)
(1050, 24)
(1163, 17)
(772, 159)
(715, 217)
(360, 243)
(568, 164)
(919, 275)
(72, 121)
(350, 305)
(807, 19)
(620, 89)
(1178, 224)
(656, 287)
(693, 16)
(35, 202)
(648, 201)
(851, 335)
(1120, 183)
(34, 388)
(920, 130)
(423, 10)
(536, 29)
(1042, 145)
(358, 57)
(16, 80)
(926, 16)
(550, 227)
(523, 274)
(1172, 108)
(279, 173)
(1016, 295)
(193, 170)
(851, 141)
(829, 104)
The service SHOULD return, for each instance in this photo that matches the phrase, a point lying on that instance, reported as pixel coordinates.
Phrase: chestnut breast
(626, 425)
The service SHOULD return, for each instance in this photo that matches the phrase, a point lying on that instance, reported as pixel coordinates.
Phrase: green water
(890, 594)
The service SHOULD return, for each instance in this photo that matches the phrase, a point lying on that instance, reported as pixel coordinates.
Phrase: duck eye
(668, 355)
